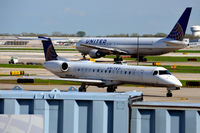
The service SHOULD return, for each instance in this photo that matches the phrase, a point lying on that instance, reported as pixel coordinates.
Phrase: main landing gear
(142, 59)
(84, 58)
(82, 88)
(118, 60)
(111, 88)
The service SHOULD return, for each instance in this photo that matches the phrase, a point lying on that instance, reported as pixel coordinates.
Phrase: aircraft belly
(151, 51)
(83, 49)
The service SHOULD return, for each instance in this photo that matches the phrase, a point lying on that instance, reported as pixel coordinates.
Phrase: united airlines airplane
(105, 75)
(99, 47)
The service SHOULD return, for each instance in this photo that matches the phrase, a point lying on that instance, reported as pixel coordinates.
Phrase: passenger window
(113, 71)
(105, 71)
(133, 72)
(121, 72)
(97, 70)
(155, 72)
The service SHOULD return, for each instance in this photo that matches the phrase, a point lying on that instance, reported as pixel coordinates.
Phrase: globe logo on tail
(51, 55)
(176, 33)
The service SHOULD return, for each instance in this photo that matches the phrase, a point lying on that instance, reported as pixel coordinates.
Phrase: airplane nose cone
(171, 81)
(178, 83)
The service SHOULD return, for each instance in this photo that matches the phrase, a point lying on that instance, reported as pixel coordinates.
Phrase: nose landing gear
(111, 88)
(169, 91)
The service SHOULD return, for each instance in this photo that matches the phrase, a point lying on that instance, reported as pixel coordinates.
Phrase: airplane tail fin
(49, 51)
(178, 32)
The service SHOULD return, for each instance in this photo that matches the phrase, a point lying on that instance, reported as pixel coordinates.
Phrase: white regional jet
(105, 75)
(99, 47)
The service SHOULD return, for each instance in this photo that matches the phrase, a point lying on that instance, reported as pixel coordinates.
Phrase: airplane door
(155, 77)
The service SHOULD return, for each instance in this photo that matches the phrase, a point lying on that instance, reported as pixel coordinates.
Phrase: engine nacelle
(57, 66)
(94, 53)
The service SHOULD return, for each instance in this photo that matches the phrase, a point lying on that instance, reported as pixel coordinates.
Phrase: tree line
(55, 34)
(83, 34)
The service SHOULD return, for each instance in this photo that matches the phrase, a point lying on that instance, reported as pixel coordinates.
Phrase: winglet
(178, 32)
(49, 51)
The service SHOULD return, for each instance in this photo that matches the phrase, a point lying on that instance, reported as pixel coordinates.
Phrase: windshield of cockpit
(161, 72)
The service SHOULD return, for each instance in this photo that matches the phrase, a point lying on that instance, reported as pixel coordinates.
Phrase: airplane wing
(91, 81)
(105, 49)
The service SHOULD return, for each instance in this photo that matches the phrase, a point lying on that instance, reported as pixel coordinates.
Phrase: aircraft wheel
(111, 89)
(169, 94)
(82, 89)
(144, 59)
(83, 56)
(118, 59)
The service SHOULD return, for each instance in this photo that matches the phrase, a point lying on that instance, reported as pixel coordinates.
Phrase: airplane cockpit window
(155, 72)
(164, 72)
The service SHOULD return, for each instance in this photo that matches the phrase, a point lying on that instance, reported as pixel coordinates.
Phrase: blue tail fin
(49, 51)
(178, 32)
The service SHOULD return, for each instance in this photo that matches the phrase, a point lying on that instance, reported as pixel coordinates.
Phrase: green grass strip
(187, 51)
(161, 58)
(20, 66)
(42, 82)
(170, 58)
(184, 83)
(183, 69)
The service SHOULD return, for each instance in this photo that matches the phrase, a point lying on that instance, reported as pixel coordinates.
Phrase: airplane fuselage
(114, 74)
(145, 46)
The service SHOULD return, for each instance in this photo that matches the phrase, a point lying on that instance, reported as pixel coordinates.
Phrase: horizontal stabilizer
(174, 43)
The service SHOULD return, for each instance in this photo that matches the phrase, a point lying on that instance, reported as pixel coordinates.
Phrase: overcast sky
(95, 17)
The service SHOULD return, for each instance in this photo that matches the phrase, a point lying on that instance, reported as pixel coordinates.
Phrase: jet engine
(57, 66)
(94, 53)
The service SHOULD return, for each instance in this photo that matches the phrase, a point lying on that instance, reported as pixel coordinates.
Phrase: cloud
(74, 11)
